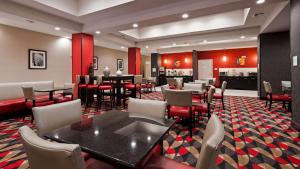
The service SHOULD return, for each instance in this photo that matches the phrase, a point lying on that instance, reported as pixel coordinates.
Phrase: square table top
(53, 89)
(119, 138)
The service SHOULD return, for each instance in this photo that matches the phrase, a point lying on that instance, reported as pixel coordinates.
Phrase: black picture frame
(95, 62)
(120, 64)
(37, 59)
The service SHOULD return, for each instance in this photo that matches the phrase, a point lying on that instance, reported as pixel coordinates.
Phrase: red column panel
(87, 52)
(82, 54)
(76, 56)
(134, 61)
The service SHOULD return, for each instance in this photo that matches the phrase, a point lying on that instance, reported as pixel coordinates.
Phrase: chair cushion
(63, 99)
(85, 156)
(201, 107)
(92, 86)
(280, 97)
(12, 105)
(29, 104)
(105, 87)
(132, 86)
(161, 162)
(196, 98)
(180, 111)
(82, 85)
(217, 96)
(172, 87)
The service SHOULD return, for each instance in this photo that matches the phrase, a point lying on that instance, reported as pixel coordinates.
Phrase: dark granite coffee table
(118, 138)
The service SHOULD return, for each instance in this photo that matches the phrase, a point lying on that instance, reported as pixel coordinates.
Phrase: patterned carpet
(254, 138)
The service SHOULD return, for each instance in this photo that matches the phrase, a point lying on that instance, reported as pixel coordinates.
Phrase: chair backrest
(28, 93)
(99, 79)
(171, 82)
(138, 79)
(178, 97)
(163, 91)
(144, 81)
(49, 155)
(211, 143)
(86, 79)
(267, 86)
(223, 87)
(48, 118)
(179, 82)
(77, 79)
(69, 85)
(211, 93)
(202, 81)
(193, 86)
(152, 108)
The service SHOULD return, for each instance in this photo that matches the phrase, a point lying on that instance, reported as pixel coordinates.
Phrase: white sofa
(12, 98)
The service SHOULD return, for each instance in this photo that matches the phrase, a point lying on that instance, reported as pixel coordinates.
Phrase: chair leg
(290, 106)
(223, 103)
(191, 126)
(283, 104)
(270, 105)
(266, 103)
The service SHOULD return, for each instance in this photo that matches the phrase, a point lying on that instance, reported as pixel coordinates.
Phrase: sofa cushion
(12, 105)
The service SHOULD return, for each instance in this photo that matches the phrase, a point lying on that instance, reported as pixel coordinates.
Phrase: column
(82, 54)
(295, 68)
(195, 65)
(134, 61)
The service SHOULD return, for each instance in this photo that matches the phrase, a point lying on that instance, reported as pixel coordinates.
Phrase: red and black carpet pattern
(254, 137)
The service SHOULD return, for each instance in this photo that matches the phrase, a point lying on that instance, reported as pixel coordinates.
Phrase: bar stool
(80, 88)
(104, 89)
(91, 89)
(131, 89)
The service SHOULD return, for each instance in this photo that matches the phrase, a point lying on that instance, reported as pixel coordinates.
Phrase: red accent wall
(172, 57)
(231, 62)
(76, 56)
(134, 61)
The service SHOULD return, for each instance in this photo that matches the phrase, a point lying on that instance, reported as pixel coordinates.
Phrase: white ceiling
(213, 24)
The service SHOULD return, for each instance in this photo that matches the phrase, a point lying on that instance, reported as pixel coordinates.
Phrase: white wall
(14, 45)
(108, 57)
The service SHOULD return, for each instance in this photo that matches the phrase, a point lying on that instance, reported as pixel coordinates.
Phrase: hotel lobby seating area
(137, 84)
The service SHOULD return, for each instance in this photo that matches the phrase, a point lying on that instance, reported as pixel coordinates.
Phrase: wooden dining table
(119, 138)
(52, 90)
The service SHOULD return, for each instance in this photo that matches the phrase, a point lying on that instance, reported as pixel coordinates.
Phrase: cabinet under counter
(240, 82)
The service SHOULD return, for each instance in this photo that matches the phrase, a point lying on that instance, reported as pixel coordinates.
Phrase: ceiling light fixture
(135, 25)
(260, 1)
(57, 28)
(243, 37)
(122, 47)
(98, 32)
(147, 47)
(174, 44)
(185, 16)
(204, 41)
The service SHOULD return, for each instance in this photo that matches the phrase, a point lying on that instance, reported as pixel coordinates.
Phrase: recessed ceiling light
(147, 47)
(57, 28)
(135, 25)
(243, 37)
(174, 44)
(185, 16)
(98, 32)
(260, 1)
(204, 41)
(122, 47)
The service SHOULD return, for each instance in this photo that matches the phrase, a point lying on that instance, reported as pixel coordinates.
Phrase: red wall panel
(134, 61)
(232, 55)
(185, 60)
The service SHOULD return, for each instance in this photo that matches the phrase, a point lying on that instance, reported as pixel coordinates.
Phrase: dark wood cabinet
(162, 80)
(240, 82)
